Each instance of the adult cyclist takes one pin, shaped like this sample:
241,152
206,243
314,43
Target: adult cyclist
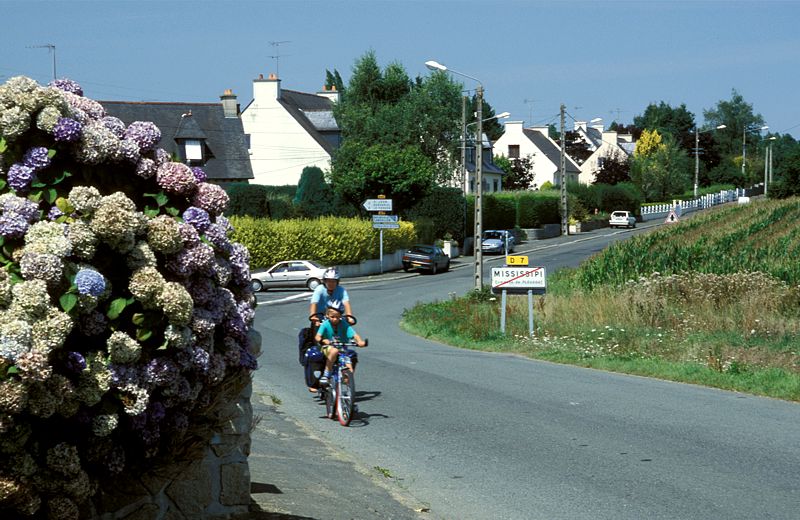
327,292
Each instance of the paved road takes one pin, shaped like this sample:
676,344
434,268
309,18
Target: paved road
480,435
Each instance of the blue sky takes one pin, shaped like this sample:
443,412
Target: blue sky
606,59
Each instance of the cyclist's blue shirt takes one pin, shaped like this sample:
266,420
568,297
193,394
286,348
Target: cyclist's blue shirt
321,297
344,332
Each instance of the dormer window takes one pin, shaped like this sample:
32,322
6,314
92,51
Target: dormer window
193,150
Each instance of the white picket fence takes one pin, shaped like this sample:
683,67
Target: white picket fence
684,206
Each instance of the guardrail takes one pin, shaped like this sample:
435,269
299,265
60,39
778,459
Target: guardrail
655,211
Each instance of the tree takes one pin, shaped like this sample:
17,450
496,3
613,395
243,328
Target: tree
666,119
614,168
575,147
633,130
363,171
660,169
519,172
314,197
333,79
738,117
416,121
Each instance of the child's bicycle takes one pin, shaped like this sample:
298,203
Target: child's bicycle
339,394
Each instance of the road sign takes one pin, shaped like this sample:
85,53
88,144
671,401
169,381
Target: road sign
378,204
518,279
384,218
385,225
672,217
516,260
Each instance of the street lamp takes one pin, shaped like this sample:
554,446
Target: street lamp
697,133
768,164
478,267
744,142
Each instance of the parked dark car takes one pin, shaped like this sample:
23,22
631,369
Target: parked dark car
429,258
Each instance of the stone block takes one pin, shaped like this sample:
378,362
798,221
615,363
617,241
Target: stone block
235,480
191,493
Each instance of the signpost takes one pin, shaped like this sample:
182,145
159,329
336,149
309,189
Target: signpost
518,280
381,221
377,204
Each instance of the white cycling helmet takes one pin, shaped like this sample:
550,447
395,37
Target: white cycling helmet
331,273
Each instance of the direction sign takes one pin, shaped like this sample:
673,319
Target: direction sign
378,204
384,218
385,225
518,279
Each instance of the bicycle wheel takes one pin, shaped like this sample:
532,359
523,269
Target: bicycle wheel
344,397
330,401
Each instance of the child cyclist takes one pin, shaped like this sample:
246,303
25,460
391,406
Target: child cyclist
335,329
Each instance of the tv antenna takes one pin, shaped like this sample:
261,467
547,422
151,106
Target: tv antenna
277,55
530,110
51,47
618,112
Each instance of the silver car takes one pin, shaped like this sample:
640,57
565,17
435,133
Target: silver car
292,273
498,241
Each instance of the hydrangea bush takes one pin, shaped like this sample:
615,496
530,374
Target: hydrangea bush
124,307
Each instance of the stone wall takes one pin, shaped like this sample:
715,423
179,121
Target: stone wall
215,486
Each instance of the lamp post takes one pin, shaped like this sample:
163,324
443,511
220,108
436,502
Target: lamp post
768,164
697,133
744,142
478,267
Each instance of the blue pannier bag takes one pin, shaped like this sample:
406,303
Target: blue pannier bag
314,361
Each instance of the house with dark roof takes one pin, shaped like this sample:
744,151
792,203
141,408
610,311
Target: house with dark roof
209,135
491,174
288,130
518,142
604,144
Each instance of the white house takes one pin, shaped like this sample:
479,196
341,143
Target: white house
491,174
288,130
517,142
610,144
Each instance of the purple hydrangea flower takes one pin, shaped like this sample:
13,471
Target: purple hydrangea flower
156,411
145,168
128,151
197,217
67,85
248,360
89,281
20,176
54,213
13,226
67,130
114,124
75,362
201,360
36,158
218,238
211,198
199,174
160,372
144,133
176,178
22,207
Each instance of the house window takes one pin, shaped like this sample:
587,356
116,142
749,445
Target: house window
513,151
496,185
194,150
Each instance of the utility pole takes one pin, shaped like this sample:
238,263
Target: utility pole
479,191
464,174
564,223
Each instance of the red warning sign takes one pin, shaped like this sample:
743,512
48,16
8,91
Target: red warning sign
672,217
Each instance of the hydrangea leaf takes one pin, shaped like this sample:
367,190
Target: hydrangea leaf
2,145
143,334
51,153
64,205
50,195
160,197
3,184
116,307
138,319
63,175
68,301
13,369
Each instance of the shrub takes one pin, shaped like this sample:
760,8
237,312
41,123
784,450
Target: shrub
328,240
125,309
247,199
445,208
499,211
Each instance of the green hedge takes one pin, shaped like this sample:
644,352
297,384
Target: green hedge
259,201
328,240
444,207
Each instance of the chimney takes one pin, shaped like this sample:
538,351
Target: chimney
331,93
229,105
266,91
512,127
610,137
